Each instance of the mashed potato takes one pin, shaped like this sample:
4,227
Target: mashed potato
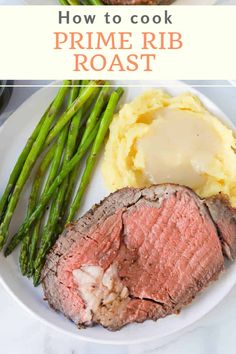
158,138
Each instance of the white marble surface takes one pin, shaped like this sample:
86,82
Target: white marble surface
214,334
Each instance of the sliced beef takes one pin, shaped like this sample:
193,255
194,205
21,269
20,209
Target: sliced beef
140,254
225,218
138,2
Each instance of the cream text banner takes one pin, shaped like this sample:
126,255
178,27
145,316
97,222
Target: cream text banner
117,42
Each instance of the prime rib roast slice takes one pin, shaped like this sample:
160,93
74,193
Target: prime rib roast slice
140,254
138,2
225,219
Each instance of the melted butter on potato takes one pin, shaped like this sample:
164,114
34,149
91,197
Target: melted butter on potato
157,139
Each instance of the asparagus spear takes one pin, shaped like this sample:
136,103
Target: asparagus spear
71,137
30,161
88,104
56,206
48,233
45,198
64,2
74,126
71,145
19,165
52,174
106,120
73,2
71,111
99,105
79,119
25,251
91,122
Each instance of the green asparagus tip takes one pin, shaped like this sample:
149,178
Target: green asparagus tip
36,277
7,251
120,91
23,271
23,267
30,271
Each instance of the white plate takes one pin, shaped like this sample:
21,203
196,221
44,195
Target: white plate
12,139
177,2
